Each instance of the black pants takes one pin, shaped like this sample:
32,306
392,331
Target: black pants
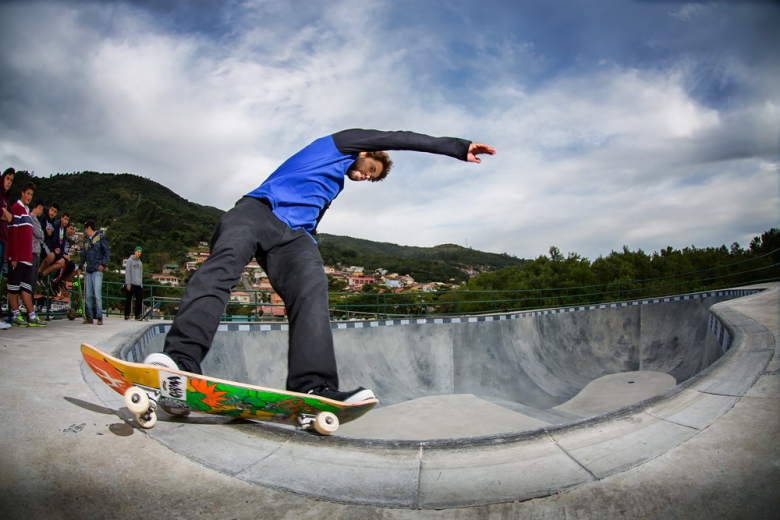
138,292
294,267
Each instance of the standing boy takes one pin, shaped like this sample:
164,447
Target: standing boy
94,258
38,236
19,256
134,275
274,224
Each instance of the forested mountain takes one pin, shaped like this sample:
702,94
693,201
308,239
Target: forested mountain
136,211
443,263
139,211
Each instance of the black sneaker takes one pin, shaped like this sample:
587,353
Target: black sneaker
354,396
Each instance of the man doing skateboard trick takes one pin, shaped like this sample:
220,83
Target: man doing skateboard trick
274,224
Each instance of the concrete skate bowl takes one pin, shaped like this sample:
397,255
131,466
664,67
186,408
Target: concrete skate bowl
480,410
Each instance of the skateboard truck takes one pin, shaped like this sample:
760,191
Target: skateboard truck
323,423
143,404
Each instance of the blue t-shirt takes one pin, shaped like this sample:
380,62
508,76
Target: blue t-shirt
306,183
300,190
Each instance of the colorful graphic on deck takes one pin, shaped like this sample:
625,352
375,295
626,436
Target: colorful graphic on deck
234,401
108,373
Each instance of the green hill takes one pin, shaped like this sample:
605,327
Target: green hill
136,211
139,211
442,263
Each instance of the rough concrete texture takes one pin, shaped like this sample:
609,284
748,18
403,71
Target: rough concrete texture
65,454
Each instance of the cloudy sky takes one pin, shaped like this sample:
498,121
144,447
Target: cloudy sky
639,123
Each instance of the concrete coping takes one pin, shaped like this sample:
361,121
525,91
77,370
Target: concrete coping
445,473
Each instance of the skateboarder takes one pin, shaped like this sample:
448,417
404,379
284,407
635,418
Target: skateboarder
275,223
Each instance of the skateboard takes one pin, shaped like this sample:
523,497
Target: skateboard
76,313
145,387
149,311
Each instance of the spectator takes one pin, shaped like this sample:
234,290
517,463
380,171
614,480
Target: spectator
37,244
68,270
134,275
5,219
94,258
47,224
56,244
19,255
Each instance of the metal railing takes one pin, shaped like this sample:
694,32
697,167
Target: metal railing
349,306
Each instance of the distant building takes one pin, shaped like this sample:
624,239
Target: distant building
357,281
169,268
166,279
240,297
251,267
275,309
265,285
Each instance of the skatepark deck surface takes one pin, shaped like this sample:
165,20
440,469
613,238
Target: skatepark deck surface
713,449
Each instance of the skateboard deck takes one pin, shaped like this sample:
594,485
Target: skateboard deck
147,386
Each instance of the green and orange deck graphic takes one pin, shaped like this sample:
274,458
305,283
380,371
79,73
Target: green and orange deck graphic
183,390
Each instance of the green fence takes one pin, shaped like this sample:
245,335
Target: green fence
346,306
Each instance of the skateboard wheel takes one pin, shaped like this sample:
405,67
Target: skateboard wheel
326,423
147,420
136,400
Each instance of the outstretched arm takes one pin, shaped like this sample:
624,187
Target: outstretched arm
357,140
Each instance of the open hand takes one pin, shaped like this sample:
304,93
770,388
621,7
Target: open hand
479,148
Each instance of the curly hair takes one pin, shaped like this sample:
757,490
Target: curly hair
383,158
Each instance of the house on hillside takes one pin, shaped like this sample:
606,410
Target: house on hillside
240,297
196,258
165,279
393,281
265,284
276,308
170,268
251,267
357,281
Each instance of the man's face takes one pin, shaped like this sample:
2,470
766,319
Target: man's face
365,169
70,230
26,197
137,254
64,221
52,213
7,181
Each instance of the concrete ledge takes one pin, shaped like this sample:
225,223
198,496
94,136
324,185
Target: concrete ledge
503,472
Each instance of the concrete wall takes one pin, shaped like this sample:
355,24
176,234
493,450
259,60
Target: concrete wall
539,359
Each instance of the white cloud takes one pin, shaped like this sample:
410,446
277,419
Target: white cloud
691,11
588,160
